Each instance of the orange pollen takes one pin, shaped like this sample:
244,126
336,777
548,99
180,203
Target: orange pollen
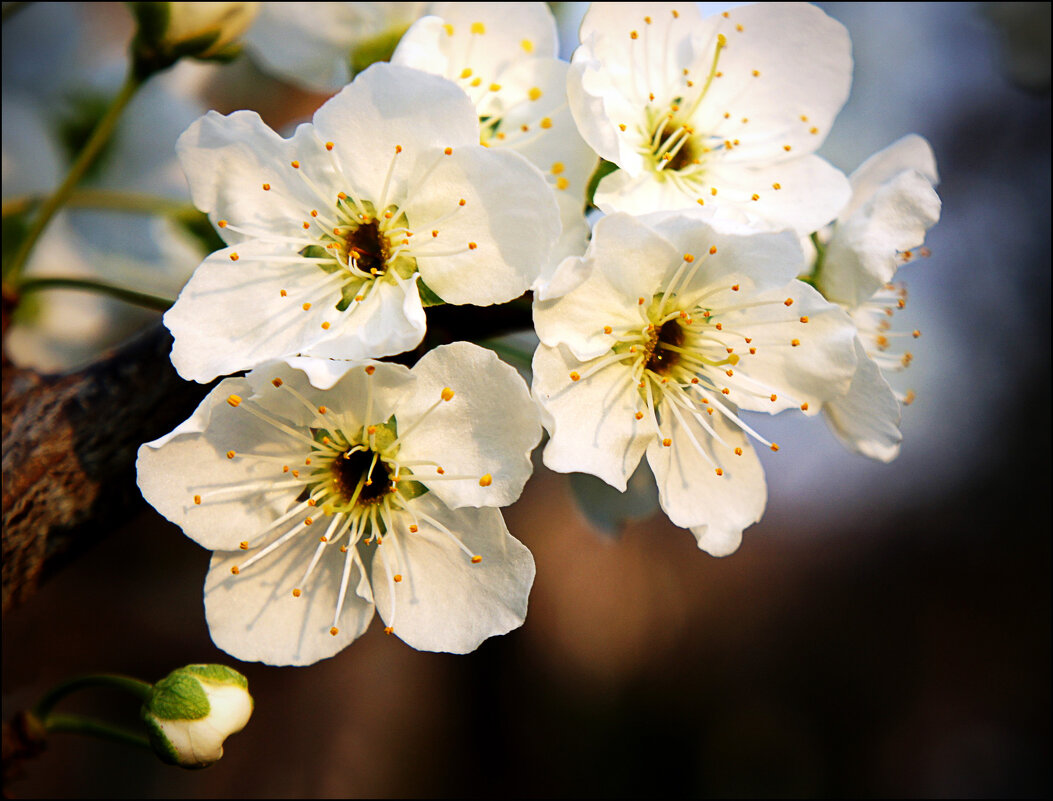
738,451
795,342
472,246
235,570
788,302
804,406
804,319
713,250
667,442
370,369
575,375
266,187
476,559
719,472
233,256
296,593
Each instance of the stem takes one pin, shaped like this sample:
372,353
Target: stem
108,199
155,302
99,137
42,710
81,724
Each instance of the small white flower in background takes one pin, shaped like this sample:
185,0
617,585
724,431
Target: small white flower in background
321,46
722,113
219,23
504,57
329,489
192,710
883,226
330,230
679,326
170,31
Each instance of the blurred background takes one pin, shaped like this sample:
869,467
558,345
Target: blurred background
885,630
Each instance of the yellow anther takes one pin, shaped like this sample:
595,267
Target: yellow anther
633,35
776,186
296,593
197,499
916,333
234,400
244,545
334,631
788,302
398,149
813,130
478,27
640,301
495,87
774,397
235,570
713,191
688,258
804,406
756,73
701,202
446,394
738,451
222,223
461,202
266,187
667,442
546,123
639,415
719,472
774,446
722,40
562,183
329,145
233,256
739,28
370,369
527,45
448,151
486,480
413,529
754,196
307,520
647,20
306,307
787,148
448,28
575,375
476,559
753,351
608,330
472,246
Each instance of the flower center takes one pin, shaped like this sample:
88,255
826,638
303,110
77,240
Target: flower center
362,476
661,360
368,247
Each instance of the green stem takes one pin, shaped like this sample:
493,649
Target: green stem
42,710
99,137
155,302
108,200
80,724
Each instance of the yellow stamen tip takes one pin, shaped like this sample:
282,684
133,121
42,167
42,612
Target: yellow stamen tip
296,593
447,394
476,559
486,480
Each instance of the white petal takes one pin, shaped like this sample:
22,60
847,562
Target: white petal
387,106
445,602
490,426
912,152
592,422
509,215
484,37
228,160
715,507
625,262
254,616
820,367
863,253
867,419
192,460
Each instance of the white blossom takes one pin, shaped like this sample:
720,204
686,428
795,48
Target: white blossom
504,56
329,231
723,113
328,490
883,226
678,327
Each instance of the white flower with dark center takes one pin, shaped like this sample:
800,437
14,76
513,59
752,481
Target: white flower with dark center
721,113
330,230
328,490
679,326
883,226
504,56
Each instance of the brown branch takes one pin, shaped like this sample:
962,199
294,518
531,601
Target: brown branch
69,445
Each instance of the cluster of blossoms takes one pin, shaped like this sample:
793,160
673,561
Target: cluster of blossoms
723,268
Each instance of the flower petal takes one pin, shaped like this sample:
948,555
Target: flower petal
445,602
591,422
715,507
490,426
254,616
867,418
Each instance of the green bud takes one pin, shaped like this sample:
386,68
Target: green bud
192,710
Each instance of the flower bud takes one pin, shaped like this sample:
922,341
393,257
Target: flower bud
170,31
192,710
